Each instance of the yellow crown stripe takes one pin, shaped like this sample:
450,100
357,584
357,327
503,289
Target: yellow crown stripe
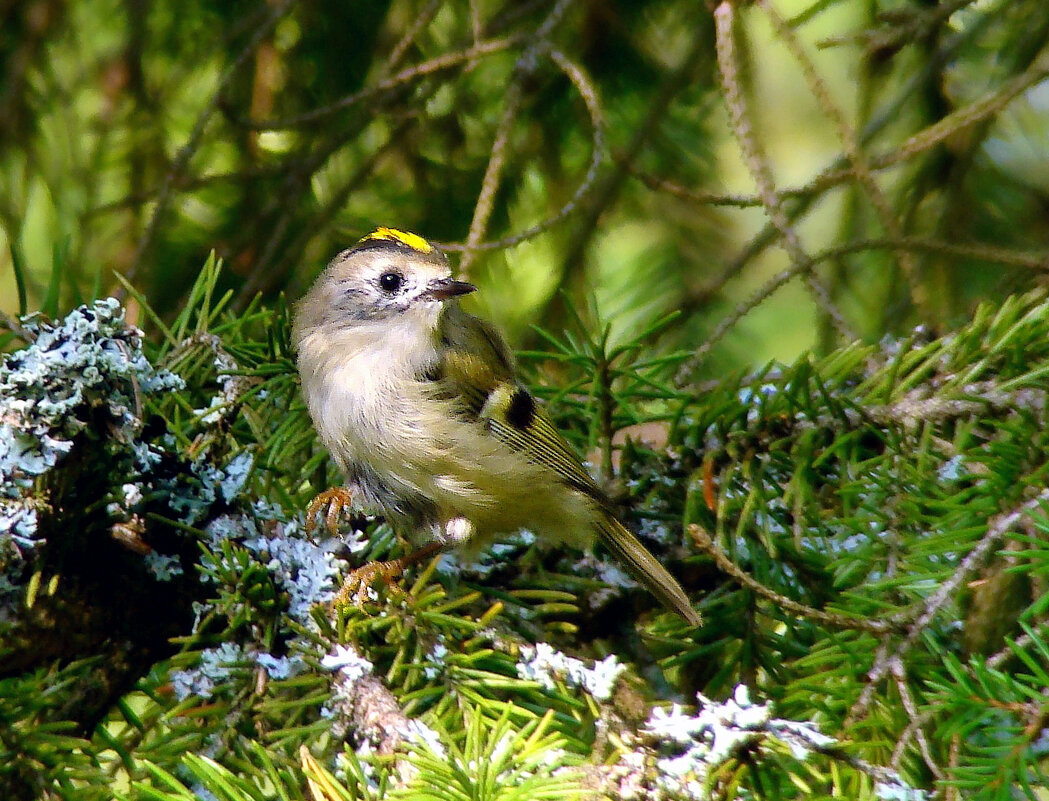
414,241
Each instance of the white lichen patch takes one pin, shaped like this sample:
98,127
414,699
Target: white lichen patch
87,368
348,662
308,571
280,667
546,665
685,749
435,660
215,667
164,568
221,665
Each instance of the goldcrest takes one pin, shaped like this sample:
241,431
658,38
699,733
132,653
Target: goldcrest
418,403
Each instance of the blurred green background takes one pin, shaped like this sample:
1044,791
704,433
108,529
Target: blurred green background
137,136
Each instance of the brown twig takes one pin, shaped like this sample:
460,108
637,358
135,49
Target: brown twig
493,174
975,112
267,271
186,152
442,63
608,184
920,619
524,68
588,92
757,164
706,544
911,708
421,20
12,324
1035,261
838,172
853,151
728,322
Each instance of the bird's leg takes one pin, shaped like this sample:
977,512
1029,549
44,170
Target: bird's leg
357,582
336,500
355,587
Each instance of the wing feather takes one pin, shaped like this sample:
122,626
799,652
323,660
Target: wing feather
477,369
542,443
477,374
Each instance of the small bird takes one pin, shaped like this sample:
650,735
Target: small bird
419,404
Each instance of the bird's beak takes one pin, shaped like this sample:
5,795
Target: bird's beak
445,288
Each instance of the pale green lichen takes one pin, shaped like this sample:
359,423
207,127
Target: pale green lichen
88,368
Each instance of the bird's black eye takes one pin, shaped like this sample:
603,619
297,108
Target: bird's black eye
391,282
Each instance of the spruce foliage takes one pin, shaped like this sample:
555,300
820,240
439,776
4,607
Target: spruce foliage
863,532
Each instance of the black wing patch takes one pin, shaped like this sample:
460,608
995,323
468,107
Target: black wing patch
521,411
539,440
478,373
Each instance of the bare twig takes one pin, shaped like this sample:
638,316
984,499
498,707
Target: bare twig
493,174
442,63
706,544
996,529
12,324
728,322
853,151
837,172
267,270
978,111
421,20
186,152
525,67
757,164
963,250
911,708
1035,261
608,184
588,92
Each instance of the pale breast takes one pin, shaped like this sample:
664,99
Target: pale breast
411,454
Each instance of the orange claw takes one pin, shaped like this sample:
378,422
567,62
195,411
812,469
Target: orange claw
336,499
358,581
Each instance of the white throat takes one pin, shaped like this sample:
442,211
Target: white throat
354,376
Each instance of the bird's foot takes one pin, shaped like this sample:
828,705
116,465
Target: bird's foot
357,583
331,502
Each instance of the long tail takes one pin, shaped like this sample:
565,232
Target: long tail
644,567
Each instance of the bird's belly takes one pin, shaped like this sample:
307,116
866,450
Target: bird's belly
413,458
378,443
